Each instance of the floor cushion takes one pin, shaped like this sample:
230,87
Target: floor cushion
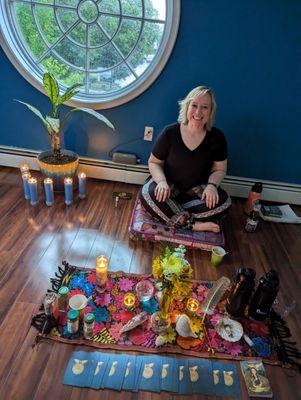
143,226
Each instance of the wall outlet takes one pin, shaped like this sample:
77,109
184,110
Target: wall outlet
148,133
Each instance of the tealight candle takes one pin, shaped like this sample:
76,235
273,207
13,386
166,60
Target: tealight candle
192,306
68,184
102,265
49,196
82,185
24,168
25,177
33,190
129,300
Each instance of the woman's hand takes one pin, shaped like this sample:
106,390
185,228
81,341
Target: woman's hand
210,195
162,191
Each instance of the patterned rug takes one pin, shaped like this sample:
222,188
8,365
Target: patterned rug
111,315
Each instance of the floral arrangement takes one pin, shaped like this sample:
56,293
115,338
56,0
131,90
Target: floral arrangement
172,271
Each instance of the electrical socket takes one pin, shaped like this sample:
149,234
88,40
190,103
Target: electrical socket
148,133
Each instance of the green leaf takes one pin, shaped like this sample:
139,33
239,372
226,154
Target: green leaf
95,114
51,87
70,92
37,113
54,123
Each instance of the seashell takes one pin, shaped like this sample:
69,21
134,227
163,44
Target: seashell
135,321
160,341
229,329
183,326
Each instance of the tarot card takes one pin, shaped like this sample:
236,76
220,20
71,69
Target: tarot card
115,371
256,380
225,379
168,375
129,376
183,377
150,374
77,371
100,362
138,369
200,375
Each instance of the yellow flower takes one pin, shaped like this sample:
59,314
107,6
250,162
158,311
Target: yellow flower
157,268
170,335
195,324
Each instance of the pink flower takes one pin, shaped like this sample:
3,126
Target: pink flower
232,348
98,327
110,284
125,284
88,309
103,300
115,331
124,316
92,278
215,317
118,301
75,291
215,340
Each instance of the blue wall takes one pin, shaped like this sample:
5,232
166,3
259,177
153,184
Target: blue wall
248,51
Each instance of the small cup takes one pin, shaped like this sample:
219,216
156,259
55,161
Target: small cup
217,255
78,302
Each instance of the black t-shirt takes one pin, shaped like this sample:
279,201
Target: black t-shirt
189,168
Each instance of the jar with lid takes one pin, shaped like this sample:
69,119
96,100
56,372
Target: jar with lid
63,298
88,326
72,321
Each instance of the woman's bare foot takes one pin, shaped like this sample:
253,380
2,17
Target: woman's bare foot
205,226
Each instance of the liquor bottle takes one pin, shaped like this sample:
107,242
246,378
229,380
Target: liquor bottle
241,291
253,219
255,194
264,296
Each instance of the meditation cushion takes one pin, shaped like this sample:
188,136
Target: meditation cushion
144,226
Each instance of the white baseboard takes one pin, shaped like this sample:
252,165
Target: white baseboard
108,170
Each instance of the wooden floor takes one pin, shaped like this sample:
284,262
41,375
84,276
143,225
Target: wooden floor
34,241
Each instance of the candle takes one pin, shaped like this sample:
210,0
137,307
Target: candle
102,265
33,190
49,196
25,177
129,300
68,183
24,168
192,306
82,185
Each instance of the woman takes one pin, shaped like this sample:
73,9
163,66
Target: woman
187,164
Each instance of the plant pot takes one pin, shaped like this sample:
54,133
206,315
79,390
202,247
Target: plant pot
58,171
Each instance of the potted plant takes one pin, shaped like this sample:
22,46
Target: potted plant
59,163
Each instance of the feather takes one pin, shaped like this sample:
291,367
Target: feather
215,294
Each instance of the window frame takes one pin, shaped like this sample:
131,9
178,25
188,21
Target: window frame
17,52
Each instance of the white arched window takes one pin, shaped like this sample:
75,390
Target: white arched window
114,48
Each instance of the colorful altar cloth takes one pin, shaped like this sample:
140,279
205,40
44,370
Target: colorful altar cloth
111,315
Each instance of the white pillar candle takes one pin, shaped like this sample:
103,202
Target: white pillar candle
33,190
82,185
68,183
49,196
24,168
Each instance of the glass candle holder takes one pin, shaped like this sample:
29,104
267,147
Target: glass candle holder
144,290
129,301
68,185
82,185
49,196
192,306
102,265
33,190
25,177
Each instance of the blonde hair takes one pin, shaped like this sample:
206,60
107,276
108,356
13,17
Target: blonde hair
184,104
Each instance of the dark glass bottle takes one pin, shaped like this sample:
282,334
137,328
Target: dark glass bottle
253,219
241,291
264,296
